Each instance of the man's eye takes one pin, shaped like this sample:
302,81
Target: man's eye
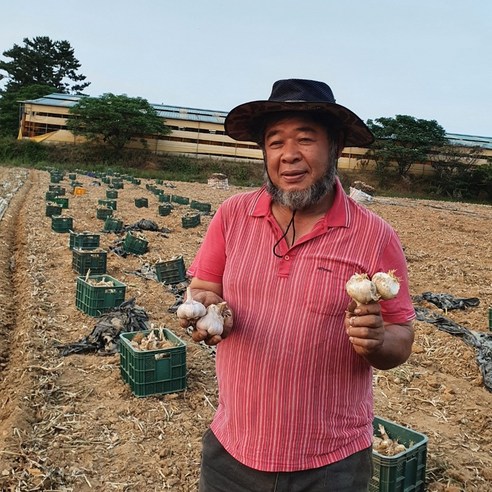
275,144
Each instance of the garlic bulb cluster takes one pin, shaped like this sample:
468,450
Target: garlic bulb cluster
210,319
385,445
190,309
364,290
151,341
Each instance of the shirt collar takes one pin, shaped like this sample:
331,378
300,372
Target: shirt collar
336,216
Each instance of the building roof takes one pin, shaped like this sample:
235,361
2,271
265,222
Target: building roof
212,116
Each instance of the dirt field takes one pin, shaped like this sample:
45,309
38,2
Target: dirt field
71,423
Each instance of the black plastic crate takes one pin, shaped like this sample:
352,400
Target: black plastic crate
171,271
84,240
405,471
84,260
93,299
153,372
60,223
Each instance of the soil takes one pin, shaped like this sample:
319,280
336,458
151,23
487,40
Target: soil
72,424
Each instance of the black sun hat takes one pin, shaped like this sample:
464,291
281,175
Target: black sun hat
244,121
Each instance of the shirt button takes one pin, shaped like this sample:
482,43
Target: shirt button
287,257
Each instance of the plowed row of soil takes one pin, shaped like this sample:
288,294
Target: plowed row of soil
72,424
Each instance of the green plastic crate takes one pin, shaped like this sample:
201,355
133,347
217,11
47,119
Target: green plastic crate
63,202
50,195
53,209
403,472
171,271
182,200
141,202
96,300
107,203
59,190
72,176
202,207
112,224
135,245
165,209
83,240
104,213
153,372
164,197
61,224
84,260
190,220
112,194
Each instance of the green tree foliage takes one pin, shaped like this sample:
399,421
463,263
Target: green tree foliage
403,140
115,119
9,106
42,61
458,173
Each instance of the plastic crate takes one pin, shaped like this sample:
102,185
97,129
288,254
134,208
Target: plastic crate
190,220
112,194
63,202
165,209
403,472
96,300
153,372
108,203
171,271
83,240
84,260
61,224
59,190
53,209
135,245
202,207
50,195
182,200
104,213
141,202
79,191
164,197
113,224
72,176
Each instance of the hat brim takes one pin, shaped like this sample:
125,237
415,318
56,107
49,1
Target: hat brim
242,122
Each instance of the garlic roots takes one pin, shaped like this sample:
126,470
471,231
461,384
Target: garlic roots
190,309
364,290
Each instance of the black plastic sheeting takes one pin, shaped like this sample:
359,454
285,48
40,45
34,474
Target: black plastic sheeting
447,301
482,342
104,338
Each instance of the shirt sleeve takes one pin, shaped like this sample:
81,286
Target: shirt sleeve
209,262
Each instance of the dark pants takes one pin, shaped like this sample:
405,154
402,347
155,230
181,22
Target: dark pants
220,472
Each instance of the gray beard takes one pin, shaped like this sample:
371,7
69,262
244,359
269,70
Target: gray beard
301,199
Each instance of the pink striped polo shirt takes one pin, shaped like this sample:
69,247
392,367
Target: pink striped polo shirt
293,394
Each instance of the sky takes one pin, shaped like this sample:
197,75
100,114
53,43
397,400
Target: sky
430,59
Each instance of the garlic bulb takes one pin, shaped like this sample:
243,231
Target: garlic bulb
387,284
213,321
191,309
361,289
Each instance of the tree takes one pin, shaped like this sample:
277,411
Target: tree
42,61
9,106
115,119
403,140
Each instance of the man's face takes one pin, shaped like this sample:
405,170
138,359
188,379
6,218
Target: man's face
300,161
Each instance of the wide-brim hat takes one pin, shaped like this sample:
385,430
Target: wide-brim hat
245,121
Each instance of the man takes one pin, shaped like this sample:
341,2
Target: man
294,364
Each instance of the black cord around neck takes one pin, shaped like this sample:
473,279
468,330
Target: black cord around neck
291,223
